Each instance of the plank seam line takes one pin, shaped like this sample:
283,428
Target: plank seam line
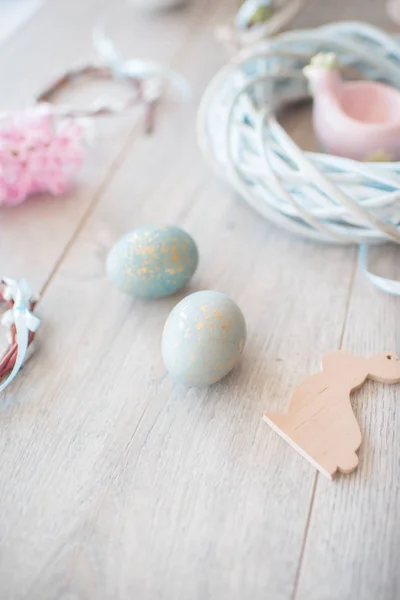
194,28
351,287
92,207
305,536
314,487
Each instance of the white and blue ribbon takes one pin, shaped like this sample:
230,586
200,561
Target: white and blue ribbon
390,286
22,318
152,73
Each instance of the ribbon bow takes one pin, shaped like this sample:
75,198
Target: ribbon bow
21,317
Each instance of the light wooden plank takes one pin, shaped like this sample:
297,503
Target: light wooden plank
138,487
353,545
14,14
114,482
36,54
60,37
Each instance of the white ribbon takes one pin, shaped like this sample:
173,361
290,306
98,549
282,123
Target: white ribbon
23,319
151,72
390,286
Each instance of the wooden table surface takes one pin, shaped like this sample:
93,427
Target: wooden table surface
116,483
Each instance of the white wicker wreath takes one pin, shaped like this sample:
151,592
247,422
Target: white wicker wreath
323,197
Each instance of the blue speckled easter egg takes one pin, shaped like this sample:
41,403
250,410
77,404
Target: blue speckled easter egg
152,261
203,338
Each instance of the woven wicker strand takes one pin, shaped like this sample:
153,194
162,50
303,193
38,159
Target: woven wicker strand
323,197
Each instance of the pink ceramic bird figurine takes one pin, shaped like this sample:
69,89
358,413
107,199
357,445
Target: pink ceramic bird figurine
355,119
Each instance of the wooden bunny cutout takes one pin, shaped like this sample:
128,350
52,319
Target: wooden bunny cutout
320,423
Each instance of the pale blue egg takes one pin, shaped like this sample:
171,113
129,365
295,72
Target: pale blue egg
203,338
153,261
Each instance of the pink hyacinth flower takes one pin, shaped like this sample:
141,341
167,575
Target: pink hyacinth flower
39,152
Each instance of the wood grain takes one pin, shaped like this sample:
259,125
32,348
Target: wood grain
354,537
150,451
352,540
40,51
320,422
116,483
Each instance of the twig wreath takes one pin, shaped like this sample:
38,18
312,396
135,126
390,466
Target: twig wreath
43,147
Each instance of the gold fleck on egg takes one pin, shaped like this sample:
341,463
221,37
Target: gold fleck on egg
203,338
153,261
